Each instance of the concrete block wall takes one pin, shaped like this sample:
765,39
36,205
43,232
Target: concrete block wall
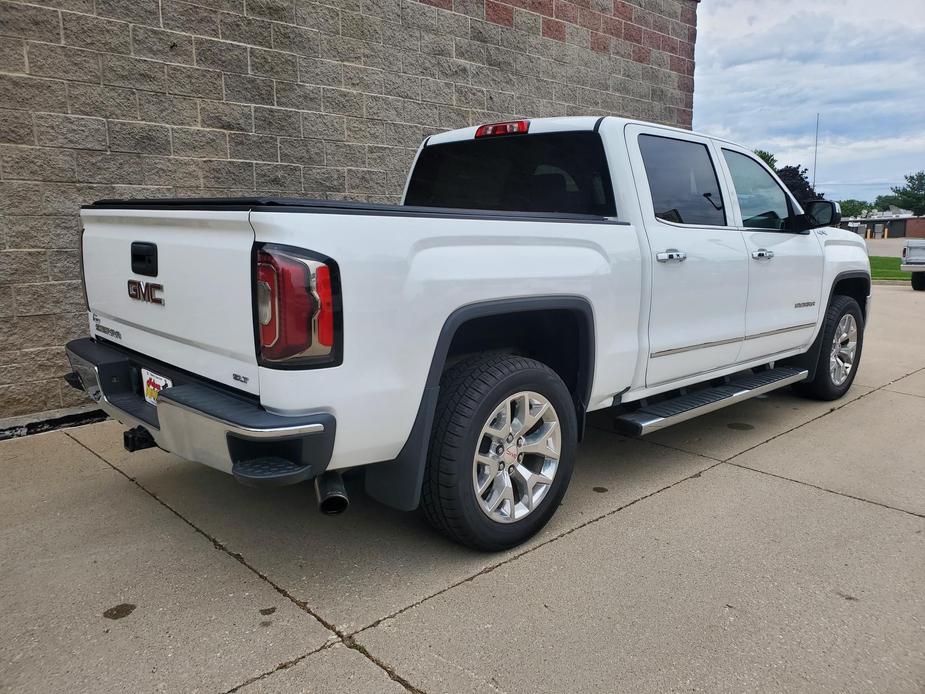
154,98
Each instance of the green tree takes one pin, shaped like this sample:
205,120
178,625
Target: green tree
883,202
795,179
768,158
912,195
853,208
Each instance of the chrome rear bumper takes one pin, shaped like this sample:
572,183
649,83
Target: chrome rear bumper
919,267
196,421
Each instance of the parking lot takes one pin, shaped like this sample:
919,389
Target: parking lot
778,545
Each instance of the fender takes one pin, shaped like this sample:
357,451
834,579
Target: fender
852,274
397,483
809,360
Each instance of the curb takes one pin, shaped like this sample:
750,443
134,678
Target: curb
25,427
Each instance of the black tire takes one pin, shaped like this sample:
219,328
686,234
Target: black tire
822,387
469,392
918,281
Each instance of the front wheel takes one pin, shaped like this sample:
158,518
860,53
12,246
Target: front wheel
918,281
840,355
501,452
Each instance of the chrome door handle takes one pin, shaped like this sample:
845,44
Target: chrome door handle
672,255
762,254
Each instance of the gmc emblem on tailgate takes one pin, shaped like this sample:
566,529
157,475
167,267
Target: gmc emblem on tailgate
145,291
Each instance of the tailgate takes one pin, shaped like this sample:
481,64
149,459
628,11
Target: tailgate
915,252
194,311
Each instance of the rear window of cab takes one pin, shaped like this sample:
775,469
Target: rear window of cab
548,172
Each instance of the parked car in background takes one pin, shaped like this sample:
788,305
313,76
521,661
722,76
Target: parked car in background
450,347
914,262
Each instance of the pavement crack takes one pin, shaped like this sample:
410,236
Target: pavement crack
341,637
878,389
217,544
351,643
656,443
826,489
835,408
514,557
282,666
902,392
803,424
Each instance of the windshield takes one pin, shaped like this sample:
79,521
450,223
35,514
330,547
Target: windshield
550,172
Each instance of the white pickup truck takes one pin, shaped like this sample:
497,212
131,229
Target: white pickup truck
913,260
450,347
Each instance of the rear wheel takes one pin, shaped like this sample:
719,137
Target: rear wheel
842,340
501,452
918,281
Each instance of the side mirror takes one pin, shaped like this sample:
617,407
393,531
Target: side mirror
818,213
822,213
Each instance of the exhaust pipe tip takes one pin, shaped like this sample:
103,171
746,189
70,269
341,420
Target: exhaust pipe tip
333,505
331,493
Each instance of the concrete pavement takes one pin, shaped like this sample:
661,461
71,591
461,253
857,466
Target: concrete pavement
731,581
776,545
100,585
886,247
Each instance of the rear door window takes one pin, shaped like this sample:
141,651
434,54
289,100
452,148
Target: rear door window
682,180
549,172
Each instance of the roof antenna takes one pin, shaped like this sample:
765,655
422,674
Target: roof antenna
816,152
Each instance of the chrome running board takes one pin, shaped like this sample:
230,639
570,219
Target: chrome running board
663,414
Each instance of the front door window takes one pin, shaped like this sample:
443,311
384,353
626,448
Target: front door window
763,202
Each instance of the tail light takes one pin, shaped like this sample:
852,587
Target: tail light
297,308
513,127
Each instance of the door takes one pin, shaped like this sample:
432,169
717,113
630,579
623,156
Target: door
698,260
784,268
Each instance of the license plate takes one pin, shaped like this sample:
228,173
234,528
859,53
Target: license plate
152,384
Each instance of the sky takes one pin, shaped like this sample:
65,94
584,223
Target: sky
765,69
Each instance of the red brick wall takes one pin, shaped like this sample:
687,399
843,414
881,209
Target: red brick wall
915,228
661,34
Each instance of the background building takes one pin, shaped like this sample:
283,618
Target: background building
889,224
142,98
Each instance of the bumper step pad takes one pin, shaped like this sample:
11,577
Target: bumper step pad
270,472
663,414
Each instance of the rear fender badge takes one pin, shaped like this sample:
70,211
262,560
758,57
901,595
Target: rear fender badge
105,329
146,291
805,304
240,378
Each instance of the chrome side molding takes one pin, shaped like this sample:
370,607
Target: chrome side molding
733,340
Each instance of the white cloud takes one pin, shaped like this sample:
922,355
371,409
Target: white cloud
765,69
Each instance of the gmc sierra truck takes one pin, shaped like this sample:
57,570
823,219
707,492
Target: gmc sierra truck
450,347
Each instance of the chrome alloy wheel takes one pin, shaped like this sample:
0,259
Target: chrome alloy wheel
517,457
844,349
